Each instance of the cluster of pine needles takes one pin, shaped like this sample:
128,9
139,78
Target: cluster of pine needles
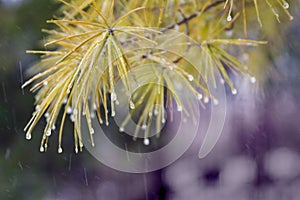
97,43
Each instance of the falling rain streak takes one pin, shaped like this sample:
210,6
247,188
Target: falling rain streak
4,92
21,76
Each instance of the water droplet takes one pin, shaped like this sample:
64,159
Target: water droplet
229,18
179,108
155,112
190,77
113,96
42,149
144,127
47,115
206,99
163,120
131,105
38,108
121,129
92,131
234,91
76,149
146,141
286,5
65,100
72,118
93,115
69,110
94,106
113,113
252,79
48,133
59,150
222,81
199,96
45,83
53,127
28,136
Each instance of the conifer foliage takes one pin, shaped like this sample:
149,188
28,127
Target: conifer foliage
97,43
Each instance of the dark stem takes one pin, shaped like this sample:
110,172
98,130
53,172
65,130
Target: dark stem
192,16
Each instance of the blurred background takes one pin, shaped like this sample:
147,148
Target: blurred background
257,157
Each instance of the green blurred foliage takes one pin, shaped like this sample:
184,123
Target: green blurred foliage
23,171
